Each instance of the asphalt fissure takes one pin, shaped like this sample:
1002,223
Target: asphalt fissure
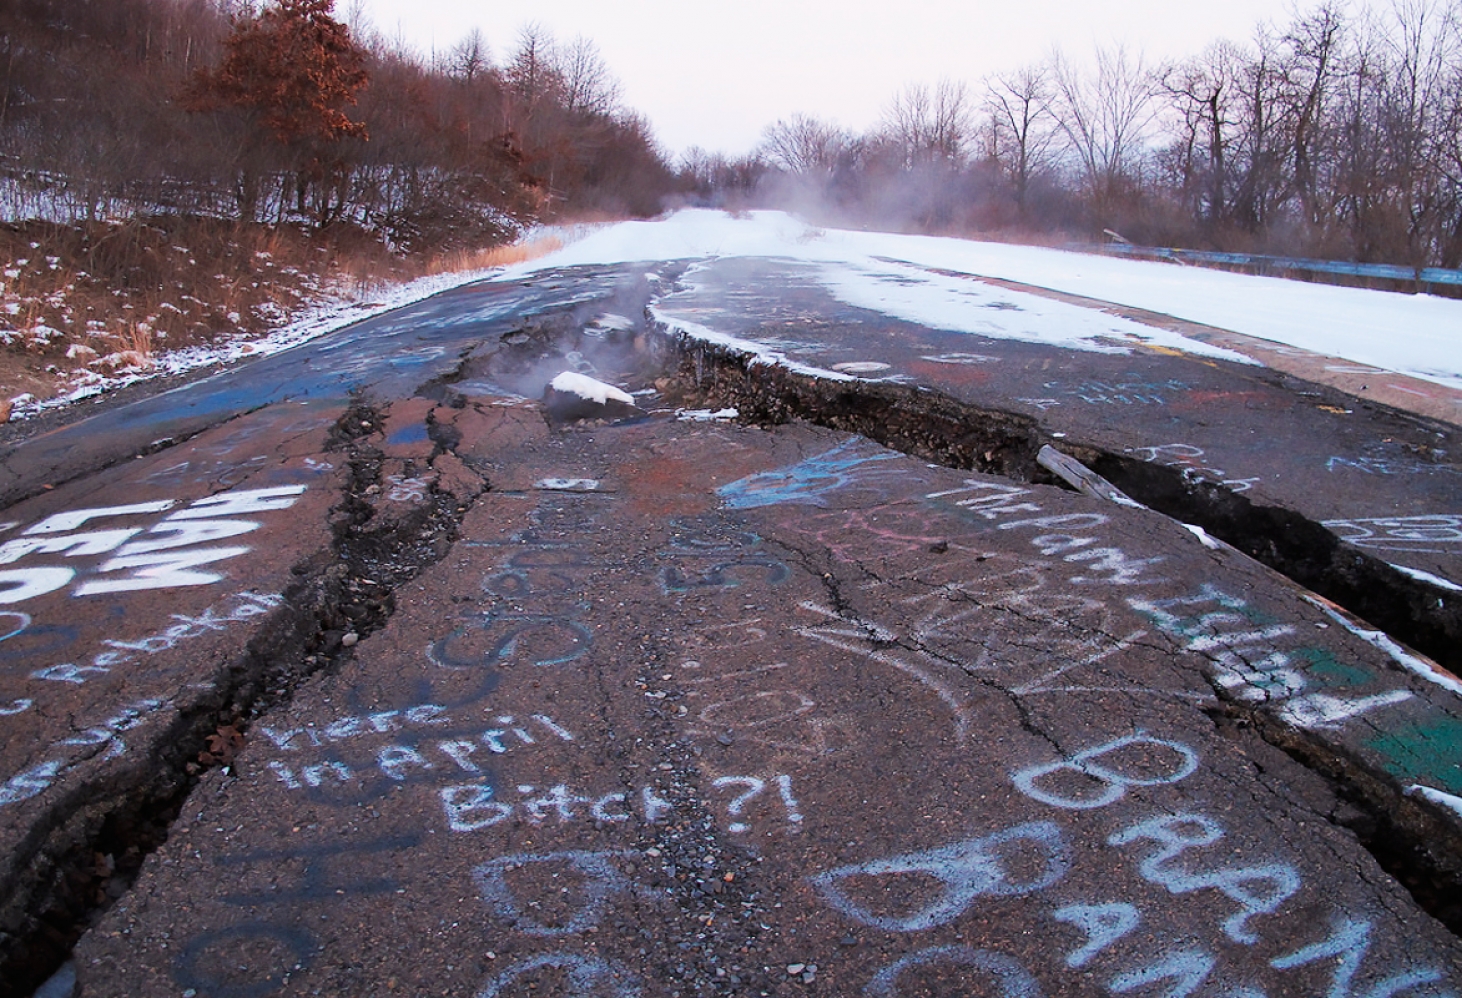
1408,838
1410,841
92,848
931,425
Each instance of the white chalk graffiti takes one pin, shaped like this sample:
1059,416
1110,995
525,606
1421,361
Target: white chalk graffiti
988,500
473,807
1170,840
355,725
598,882
164,555
1119,393
1258,890
30,782
1103,924
237,608
1175,762
1347,945
402,762
965,870
751,788
1387,466
1241,647
1190,460
39,778
1109,565
1068,632
1067,535
1439,533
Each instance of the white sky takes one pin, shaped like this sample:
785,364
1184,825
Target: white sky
714,75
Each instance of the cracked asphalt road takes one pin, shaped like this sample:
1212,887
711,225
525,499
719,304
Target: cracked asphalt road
383,685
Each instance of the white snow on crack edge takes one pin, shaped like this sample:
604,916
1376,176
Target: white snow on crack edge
759,353
1204,537
1446,800
585,387
1427,577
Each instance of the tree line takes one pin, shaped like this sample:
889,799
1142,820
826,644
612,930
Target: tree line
272,111
1336,134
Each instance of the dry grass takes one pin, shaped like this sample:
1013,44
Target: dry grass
81,291
493,256
108,296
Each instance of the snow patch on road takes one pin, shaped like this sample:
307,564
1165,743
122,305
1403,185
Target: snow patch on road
896,275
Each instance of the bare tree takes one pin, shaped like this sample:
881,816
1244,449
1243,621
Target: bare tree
469,58
1203,91
1019,107
1309,72
532,74
1106,116
804,145
588,85
930,126
1424,90
1259,153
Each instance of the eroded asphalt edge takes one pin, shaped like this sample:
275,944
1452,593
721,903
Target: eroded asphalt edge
354,574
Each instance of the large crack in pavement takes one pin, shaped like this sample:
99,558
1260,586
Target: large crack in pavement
933,426
1412,840
89,850
87,854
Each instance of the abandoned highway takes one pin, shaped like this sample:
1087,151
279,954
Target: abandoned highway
355,671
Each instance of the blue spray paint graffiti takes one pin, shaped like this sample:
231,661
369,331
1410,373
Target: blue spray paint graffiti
806,482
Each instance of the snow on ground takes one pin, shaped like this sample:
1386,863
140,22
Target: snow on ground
1419,335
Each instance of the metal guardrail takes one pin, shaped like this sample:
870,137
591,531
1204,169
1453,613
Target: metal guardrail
1421,278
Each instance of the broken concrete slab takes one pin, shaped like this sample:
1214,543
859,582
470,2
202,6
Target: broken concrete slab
790,699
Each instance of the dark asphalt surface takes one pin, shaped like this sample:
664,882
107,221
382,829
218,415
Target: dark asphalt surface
480,706
1388,482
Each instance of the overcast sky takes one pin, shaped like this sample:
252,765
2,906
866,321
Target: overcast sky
714,75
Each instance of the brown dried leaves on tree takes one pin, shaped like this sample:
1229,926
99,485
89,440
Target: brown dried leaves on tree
295,67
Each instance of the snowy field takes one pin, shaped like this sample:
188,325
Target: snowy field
1419,335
